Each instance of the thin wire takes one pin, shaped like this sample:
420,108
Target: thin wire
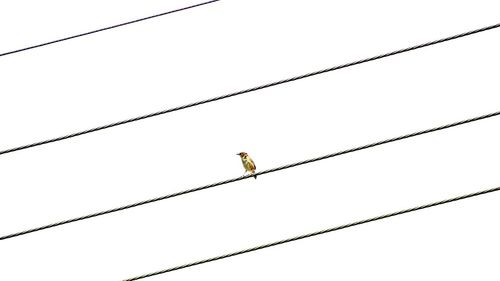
247,90
328,230
105,28
248,176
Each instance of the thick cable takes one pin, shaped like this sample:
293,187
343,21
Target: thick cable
272,84
133,205
328,230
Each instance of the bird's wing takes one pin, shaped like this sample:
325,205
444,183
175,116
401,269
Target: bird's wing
252,164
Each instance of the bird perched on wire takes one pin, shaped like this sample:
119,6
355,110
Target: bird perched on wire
248,164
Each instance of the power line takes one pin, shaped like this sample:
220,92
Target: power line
241,92
133,205
328,230
104,29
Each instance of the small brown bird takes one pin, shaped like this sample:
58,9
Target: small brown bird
248,164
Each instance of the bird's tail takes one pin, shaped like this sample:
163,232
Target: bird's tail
254,176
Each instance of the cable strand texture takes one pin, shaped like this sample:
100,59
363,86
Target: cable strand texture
328,230
248,176
268,85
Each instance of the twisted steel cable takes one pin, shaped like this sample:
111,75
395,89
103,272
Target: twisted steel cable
328,230
105,28
248,176
241,92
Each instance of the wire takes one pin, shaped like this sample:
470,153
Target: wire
241,92
105,28
328,230
9,236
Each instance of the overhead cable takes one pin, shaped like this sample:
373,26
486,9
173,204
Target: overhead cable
312,234
241,92
104,29
133,205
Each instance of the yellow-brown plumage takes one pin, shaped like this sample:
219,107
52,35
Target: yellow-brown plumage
248,163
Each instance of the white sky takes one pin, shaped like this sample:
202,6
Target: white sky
224,47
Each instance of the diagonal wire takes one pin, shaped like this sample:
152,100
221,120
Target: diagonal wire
104,29
133,205
241,92
328,230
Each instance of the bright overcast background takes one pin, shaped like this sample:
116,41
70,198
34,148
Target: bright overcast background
228,46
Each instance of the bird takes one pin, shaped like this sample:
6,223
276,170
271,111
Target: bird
248,164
